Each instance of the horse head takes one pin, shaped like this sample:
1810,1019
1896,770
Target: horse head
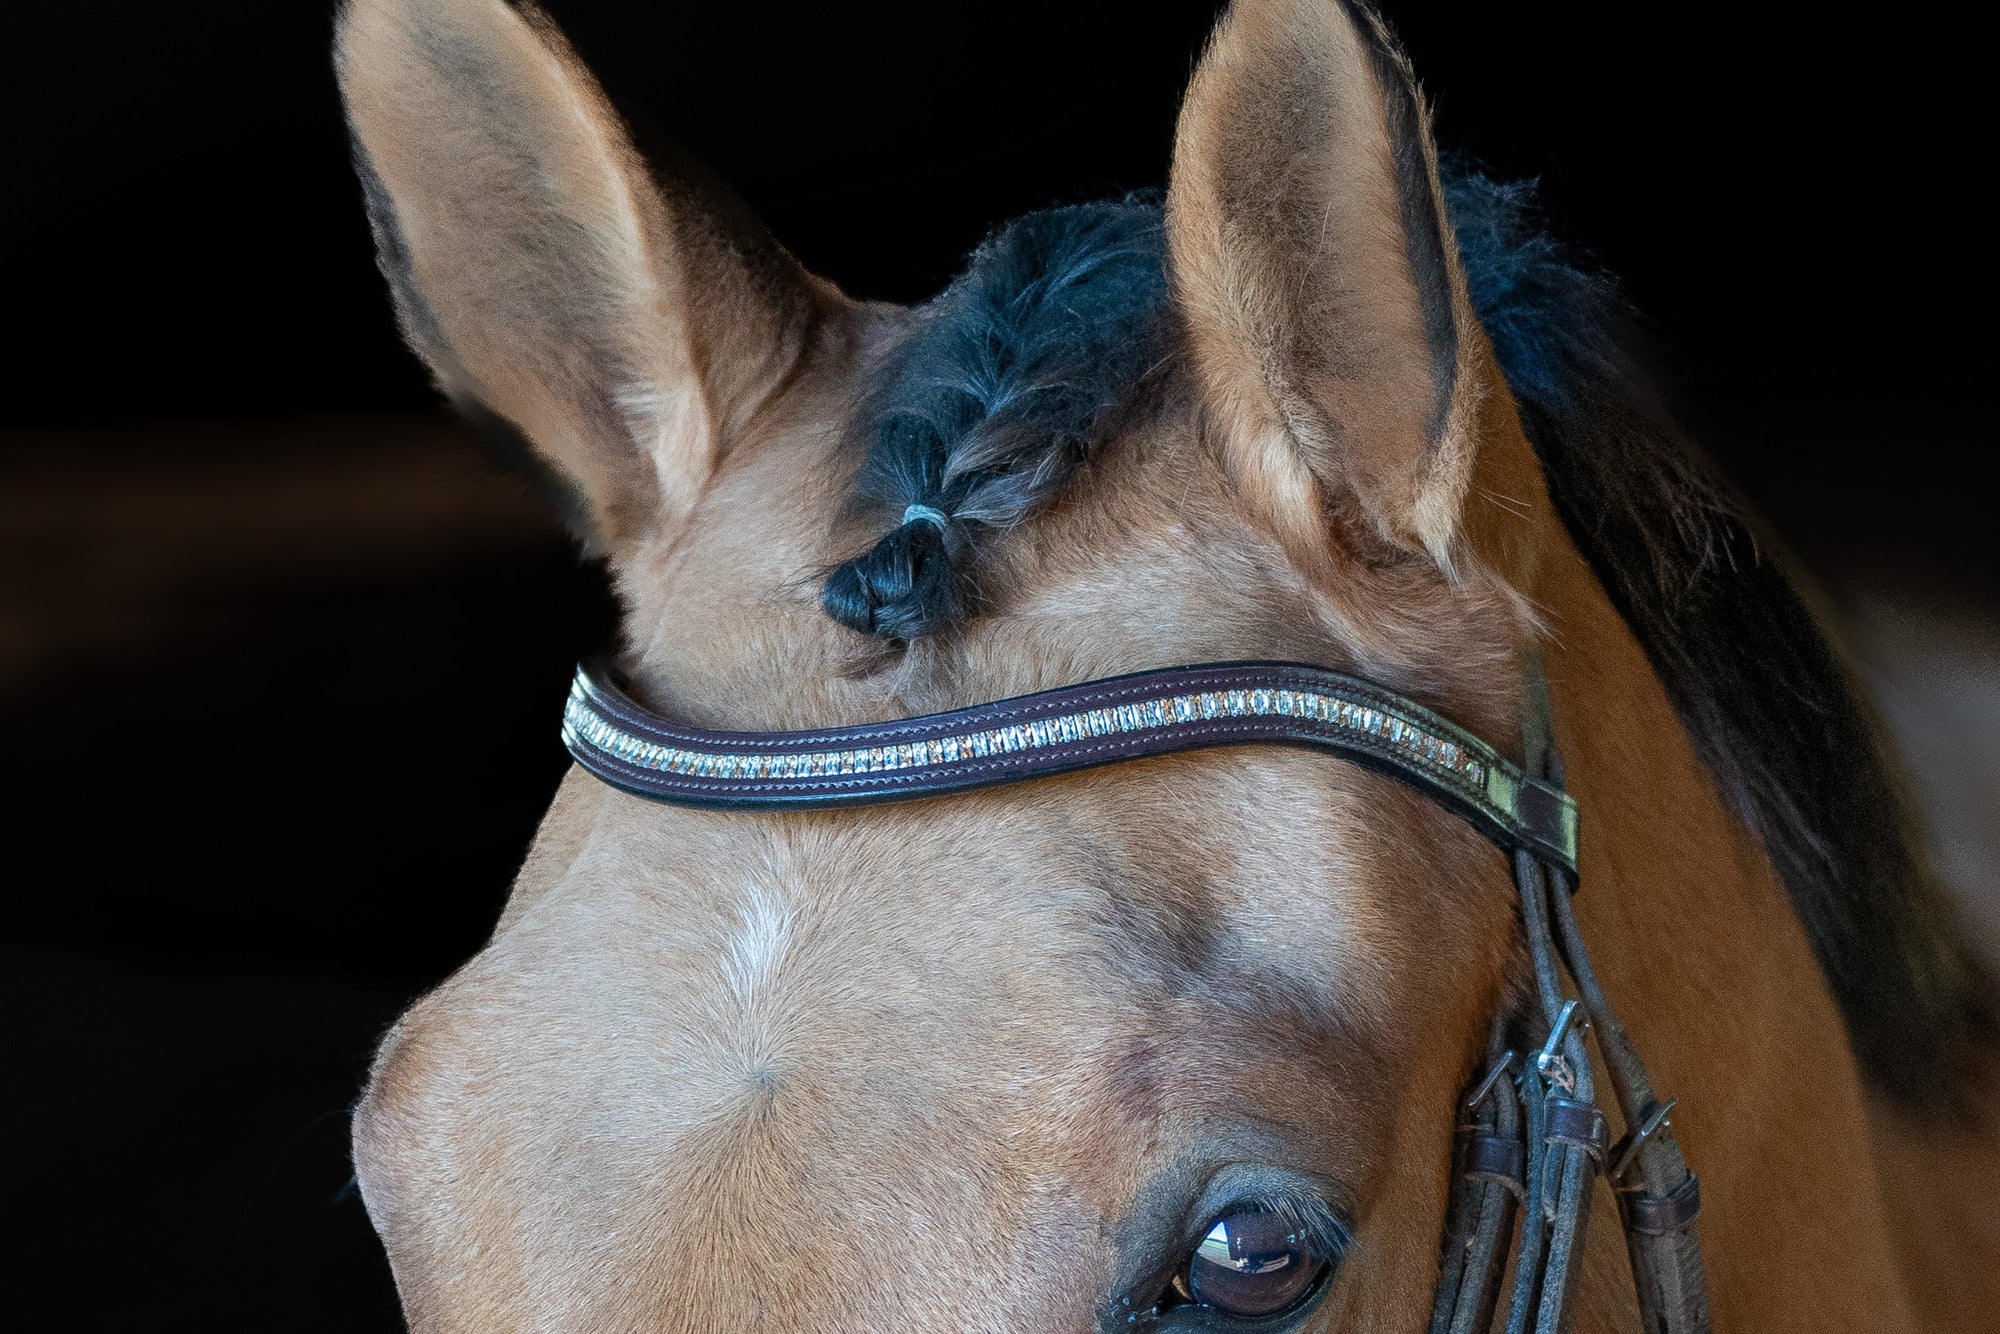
1017,1059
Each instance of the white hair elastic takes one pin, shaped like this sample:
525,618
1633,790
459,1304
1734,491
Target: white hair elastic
927,515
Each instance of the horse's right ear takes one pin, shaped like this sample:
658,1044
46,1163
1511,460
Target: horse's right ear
624,327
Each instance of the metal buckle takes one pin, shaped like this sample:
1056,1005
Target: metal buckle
1485,1087
1550,1062
1628,1148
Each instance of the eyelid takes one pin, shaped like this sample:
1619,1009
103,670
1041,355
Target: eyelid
1323,1205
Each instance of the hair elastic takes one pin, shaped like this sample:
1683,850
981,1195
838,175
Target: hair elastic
926,514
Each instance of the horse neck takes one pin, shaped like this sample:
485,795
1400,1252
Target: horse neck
1710,970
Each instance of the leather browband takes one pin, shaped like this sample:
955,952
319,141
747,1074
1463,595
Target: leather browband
1062,730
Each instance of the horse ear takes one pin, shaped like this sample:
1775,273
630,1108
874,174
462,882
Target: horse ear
1321,287
623,325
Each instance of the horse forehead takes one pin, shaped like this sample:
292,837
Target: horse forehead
950,1036
782,937
861,983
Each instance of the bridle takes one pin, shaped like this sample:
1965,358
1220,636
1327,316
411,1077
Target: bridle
1531,1139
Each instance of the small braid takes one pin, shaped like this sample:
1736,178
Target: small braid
908,582
994,399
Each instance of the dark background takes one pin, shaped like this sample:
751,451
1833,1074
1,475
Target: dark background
245,556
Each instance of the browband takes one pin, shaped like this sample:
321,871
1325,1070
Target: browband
1063,730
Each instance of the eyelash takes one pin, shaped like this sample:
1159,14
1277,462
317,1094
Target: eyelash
1317,1223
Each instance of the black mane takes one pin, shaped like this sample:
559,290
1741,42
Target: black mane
1771,708
1015,369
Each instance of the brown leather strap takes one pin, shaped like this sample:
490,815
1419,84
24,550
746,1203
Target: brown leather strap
1581,1124
1491,1158
1659,1215
1061,731
1485,1198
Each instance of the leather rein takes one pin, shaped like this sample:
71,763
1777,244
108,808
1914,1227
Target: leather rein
1532,1139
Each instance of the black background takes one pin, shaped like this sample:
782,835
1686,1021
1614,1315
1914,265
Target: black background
245,557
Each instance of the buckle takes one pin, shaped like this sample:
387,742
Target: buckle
1650,1125
1484,1088
1550,1062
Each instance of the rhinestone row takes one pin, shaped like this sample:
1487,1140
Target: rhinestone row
1406,737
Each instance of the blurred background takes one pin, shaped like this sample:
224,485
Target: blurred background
237,529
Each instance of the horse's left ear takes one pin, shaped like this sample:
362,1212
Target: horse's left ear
1319,280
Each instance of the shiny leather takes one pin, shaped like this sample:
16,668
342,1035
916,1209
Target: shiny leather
1509,806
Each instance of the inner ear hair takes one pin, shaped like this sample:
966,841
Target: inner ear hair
625,323
1320,285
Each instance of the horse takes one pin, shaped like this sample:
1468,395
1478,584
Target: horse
1184,1042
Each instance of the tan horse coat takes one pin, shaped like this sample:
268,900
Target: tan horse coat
971,1064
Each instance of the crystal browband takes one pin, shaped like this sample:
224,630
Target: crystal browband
1058,731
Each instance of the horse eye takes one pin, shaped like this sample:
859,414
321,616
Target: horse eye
1253,1263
